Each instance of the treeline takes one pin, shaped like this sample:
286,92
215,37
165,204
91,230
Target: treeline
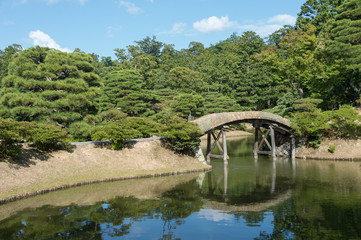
151,85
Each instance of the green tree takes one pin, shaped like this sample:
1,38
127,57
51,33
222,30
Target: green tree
189,105
276,37
124,89
185,80
295,64
215,102
344,48
5,58
49,86
317,13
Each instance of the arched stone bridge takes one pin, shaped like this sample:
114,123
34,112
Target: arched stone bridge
275,126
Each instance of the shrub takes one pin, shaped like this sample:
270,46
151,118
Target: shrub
344,123
80,131
183,136
312,124
116,132
46,137
9,138
332,148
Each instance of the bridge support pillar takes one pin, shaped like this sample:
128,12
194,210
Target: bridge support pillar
256,147
293,147
271,146
223,149
273,142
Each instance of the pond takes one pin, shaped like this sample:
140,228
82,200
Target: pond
248,199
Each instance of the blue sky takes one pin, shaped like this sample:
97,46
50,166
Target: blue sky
101,26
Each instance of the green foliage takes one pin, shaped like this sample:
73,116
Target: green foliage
285,105
216,102
317,58
10,136
118,131
43,136
189,104
185,80
47,137
332,148
183,136
80,131
5,58
317,13
49,85
124,90
307,104
111,115
344,123
313,125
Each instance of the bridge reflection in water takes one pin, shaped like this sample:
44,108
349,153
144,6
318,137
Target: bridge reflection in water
239,187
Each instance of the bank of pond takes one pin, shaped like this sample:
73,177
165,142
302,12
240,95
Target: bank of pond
246,199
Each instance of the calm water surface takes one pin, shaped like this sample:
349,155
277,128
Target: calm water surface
247,199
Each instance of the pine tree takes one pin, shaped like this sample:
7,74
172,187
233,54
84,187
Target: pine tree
345,34
124,90
344,49
47,85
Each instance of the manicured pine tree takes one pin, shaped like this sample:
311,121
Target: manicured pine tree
124,90
47,85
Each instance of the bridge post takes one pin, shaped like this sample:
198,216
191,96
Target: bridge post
293,147
256,146
209,145
222,149
273,142
224,141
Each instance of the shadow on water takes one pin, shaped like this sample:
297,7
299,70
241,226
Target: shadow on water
245,199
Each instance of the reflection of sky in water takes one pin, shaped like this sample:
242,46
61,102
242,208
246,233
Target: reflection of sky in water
303,200
205,224
215,215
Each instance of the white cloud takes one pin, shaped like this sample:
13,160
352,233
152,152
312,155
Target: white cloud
131,7
111,30
178,28
270,26
213,24
283,19
44,40
262,29
151,1
214,215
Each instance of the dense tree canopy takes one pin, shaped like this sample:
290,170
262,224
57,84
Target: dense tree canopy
50,86
319,57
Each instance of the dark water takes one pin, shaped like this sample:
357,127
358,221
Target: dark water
266,199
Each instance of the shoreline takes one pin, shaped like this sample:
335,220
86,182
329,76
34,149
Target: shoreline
39,173
345,150
105,180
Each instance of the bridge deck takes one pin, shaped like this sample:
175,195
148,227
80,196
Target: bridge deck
216,120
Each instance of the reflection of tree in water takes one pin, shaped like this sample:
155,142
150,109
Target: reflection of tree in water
251,218
113,218
320,214
179,203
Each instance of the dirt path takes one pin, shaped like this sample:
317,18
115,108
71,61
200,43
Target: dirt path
86,163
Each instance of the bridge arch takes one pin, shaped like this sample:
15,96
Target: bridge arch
274,123
218,120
